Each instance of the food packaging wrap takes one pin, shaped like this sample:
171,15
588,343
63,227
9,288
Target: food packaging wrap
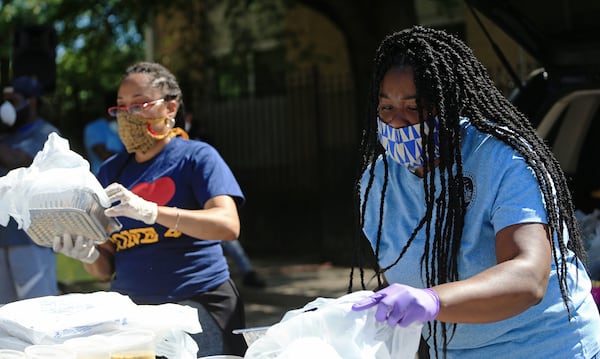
54,319
54,169
328,328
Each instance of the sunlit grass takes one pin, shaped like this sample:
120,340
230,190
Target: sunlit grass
69,270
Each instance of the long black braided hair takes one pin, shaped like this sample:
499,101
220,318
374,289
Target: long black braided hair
450,83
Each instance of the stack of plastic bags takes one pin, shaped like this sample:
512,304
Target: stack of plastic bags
55,319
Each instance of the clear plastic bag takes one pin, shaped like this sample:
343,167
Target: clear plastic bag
328,328
55,171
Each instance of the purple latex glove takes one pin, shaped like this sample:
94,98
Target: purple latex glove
403,305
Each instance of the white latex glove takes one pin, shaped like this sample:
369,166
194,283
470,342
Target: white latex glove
81,248
132,205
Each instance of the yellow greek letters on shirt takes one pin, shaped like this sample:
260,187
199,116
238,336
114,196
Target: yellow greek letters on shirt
134,237
173,233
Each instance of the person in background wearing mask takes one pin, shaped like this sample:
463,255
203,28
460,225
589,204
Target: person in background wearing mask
100,137
177,200
26,269
467,212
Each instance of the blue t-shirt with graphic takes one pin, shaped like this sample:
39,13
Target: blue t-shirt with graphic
500,190
154,264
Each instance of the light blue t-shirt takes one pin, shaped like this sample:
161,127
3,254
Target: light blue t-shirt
99,132
501,190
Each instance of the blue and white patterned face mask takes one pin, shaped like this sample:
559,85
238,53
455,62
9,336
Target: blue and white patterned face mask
403,144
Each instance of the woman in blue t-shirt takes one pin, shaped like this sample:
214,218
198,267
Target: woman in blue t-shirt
177,200
467,212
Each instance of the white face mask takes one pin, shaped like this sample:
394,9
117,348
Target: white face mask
8,114
404,145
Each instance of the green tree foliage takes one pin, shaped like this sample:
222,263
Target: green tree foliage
96,41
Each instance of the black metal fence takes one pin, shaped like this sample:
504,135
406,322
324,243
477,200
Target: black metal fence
294,155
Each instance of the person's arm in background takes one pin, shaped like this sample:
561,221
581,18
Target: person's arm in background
11,158
102,268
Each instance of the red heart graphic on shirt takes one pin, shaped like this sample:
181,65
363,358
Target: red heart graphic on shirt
160,191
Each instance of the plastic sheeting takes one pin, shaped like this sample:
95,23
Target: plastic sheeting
328,328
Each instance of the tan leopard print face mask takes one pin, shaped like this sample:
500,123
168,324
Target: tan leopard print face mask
136,132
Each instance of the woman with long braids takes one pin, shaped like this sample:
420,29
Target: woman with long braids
467,212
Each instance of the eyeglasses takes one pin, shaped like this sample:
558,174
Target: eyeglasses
134,109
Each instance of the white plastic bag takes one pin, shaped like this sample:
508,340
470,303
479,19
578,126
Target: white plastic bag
328,328
171,323
54,169
54,319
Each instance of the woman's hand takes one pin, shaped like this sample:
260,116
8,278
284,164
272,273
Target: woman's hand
401,304
131,205
82,249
